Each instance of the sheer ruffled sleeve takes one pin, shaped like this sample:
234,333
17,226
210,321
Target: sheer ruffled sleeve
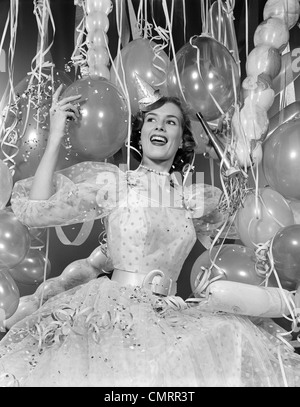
202,202
85,191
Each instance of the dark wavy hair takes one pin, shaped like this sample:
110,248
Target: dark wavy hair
185,154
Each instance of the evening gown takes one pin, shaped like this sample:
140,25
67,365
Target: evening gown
112,333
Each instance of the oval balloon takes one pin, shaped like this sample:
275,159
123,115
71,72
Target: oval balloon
261,217
14,240
33,269
231,262
281,159
9,295
143,57
103,126
286,253
6,184
208,77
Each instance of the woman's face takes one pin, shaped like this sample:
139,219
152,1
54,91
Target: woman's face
161,134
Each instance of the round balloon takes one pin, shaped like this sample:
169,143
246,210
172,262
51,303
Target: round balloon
143,57
6,184
33,119
9,295
33,269
263,59
14,240
273,32
286,10
291,111
103,126
208,77
231,262
286,253
281,159
261,216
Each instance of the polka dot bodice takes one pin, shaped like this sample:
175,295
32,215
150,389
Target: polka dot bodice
151,220
141,239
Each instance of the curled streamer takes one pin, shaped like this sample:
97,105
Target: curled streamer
158,44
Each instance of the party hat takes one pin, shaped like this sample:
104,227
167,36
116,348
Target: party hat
147,95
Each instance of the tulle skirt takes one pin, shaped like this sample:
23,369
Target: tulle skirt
103,334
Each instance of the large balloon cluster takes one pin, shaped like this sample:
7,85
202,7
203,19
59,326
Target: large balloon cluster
266,221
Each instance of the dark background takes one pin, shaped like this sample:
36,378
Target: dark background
64,16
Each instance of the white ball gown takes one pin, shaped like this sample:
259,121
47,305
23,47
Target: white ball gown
118,331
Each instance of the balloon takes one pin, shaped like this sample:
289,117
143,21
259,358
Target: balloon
221,28
252,122
103,126
273,32
6,184
97,20
9,295
238,298
289,71
233,263
96,5
260,218
287,10
207,74
289,112
31,270
263,59
281,159
97,56
151,64
286,253
14,240
258,91
97,38
33,120
295,206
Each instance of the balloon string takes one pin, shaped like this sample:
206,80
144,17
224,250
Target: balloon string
135,28
78,57
247,28
204,16
158,44
121,82
8,136
184,21
169,25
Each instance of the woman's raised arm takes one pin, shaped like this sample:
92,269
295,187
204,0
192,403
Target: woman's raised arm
61,110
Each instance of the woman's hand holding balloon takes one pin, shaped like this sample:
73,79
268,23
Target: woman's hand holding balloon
60,111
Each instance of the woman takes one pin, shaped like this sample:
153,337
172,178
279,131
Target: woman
131,330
